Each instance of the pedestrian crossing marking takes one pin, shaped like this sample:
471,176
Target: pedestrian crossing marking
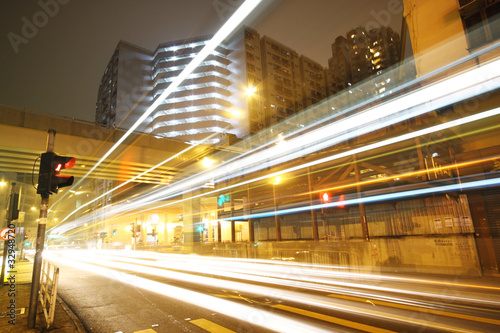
146,331
209,326
338,321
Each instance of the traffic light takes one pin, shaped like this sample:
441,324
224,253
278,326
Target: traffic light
49,179
325,197
341,201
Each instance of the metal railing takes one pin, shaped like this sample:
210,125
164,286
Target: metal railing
48,291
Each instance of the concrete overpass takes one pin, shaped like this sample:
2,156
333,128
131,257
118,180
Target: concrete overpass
24,137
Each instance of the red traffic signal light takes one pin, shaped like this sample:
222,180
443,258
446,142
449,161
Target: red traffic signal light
341,201
49,179
325,197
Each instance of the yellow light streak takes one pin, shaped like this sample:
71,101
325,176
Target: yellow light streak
419,309
405,175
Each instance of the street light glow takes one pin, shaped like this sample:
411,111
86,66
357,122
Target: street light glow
251,90
207,162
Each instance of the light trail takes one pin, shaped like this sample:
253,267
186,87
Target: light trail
320,139
175,190
232,23
385,179
382,197
125,183
282,270
241,312
426,99
250,273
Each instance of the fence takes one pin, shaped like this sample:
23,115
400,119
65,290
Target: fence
48,291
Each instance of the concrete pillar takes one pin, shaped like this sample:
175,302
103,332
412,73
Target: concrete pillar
191,220
276,216
247,211
362,213
314,218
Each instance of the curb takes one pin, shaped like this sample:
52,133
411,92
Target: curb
76,321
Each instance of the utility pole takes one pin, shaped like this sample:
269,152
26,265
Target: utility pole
40,242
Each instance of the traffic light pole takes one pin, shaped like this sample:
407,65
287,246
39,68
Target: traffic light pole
40,242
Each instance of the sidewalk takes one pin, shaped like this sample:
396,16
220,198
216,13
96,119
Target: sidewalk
64,320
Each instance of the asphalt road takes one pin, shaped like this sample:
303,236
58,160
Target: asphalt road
135,292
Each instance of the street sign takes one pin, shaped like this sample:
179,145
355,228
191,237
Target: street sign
7,233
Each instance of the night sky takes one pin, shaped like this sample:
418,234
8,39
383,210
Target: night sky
57,67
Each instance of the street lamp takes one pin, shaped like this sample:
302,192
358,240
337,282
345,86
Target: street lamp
251,90
3,182
207,162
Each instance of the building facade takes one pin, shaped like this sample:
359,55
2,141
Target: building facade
362,53
198,111
123,93
246,85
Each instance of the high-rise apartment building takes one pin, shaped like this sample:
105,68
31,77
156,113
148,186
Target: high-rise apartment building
198,111
340,63
314,84
247,95
282,91
362,54
385,48
124,90
245,85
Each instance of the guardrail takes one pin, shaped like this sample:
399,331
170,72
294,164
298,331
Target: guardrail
48,291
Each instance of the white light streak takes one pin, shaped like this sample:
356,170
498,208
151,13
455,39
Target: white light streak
295,275
232,23
245,313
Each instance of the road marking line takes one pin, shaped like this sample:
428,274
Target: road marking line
343,322
209,326
416,308
146,331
